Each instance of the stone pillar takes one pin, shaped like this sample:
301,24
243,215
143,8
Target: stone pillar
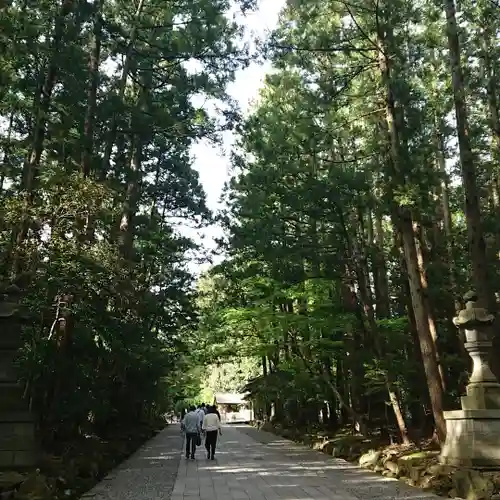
483,389
472,432
17,429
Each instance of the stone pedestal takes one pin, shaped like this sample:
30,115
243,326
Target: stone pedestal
472,439
17,428
473,433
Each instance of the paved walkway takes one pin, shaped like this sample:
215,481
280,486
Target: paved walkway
249,465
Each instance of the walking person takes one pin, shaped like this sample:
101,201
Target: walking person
200,411
212,428
190,425
217,412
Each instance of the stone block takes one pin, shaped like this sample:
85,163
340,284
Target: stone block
16,435
17,429
20,459
370,459
6,459
25,458
10,338
472,439
481,397
16,416
17,441
11,396
8,365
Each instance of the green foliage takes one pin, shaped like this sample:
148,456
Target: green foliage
231,376
98,114
336,151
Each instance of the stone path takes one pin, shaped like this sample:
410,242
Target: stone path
149,474
249,465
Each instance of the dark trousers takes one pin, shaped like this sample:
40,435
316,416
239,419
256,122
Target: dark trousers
211,442
191,438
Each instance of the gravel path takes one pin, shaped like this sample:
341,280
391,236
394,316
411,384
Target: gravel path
249,465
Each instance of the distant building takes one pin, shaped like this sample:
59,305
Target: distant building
233,408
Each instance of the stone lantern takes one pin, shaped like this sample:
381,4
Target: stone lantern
17,429
472,433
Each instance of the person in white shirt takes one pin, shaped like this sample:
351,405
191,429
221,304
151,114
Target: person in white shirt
201,413
211,426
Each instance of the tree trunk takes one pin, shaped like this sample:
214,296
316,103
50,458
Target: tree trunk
446,212
130,204
94,59
365,294
490,66
381,282
121,88
477,244
402,219
419,247
32,161
340,383
6,156
427,347
87,233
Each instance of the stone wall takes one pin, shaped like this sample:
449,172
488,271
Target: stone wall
17,429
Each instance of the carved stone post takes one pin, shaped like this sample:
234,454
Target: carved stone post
472,432
483,389
17,429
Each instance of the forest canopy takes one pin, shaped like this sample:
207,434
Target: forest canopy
98,113
365,203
